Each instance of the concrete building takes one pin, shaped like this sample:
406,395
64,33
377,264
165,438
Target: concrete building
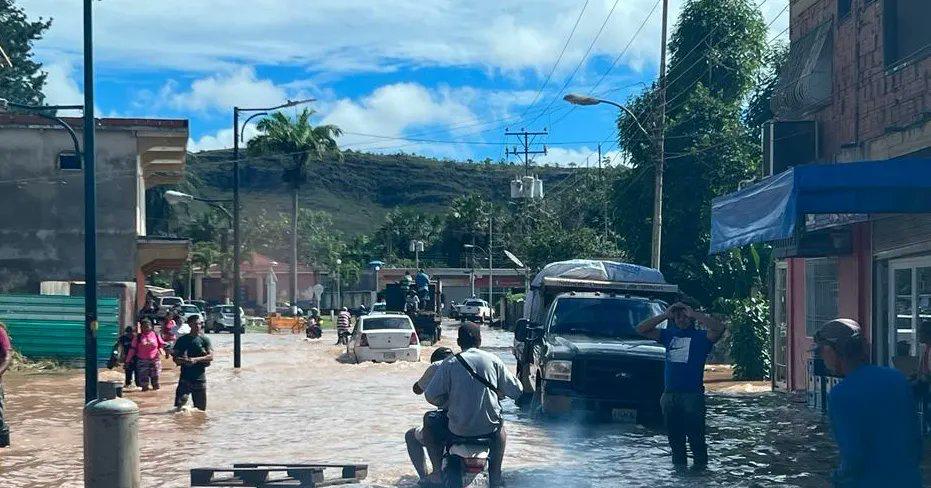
856,88
42,201
261,277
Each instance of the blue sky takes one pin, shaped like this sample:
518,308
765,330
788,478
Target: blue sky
450,74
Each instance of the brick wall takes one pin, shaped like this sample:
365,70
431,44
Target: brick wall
868,98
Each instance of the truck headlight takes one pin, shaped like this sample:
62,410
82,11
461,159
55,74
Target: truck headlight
558,370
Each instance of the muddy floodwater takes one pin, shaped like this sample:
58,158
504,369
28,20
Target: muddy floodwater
298,400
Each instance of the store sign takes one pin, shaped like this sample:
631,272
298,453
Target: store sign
824,221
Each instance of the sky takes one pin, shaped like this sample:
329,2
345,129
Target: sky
441,78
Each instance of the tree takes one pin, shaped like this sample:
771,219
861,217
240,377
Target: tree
759,108
715,57
23,82
299,140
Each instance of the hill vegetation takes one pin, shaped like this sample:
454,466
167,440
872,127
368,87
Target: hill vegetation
362,188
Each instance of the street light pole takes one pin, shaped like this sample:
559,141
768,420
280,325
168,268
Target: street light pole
90,212
656,138
237,218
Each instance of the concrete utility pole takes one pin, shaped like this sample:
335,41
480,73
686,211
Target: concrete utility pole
660,140
90,212
604,199
525,142
490,268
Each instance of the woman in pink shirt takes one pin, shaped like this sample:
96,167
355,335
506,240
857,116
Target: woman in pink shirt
146,347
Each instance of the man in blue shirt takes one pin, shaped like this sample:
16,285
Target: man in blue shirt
683,400
872,412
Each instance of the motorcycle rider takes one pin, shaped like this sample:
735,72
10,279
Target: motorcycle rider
421,437
470,387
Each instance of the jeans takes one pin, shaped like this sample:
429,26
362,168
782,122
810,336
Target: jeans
197,391
684,414
4,428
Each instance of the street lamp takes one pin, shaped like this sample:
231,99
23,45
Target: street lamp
657,140
237,138
490,272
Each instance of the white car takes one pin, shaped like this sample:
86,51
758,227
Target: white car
475,309
188,310
166,304
379,307
385,338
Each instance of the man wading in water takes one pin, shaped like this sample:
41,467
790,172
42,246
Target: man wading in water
683,400
193,353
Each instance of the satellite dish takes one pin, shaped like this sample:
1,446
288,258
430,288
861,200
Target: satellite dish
514,259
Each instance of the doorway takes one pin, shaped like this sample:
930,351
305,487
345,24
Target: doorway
910,303
780,328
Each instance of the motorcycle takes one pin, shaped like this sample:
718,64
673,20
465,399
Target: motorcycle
463,460
313,330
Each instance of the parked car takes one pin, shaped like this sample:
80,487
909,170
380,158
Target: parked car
476,310
385,338
188,310
379,307
166,304
222,317
577,347
202,305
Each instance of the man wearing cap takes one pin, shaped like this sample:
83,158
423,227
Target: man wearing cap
872,413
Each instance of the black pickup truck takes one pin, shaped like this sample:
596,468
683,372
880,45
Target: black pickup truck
584,353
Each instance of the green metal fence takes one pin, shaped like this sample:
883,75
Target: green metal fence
51,326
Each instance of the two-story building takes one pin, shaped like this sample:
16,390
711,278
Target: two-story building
42,201
852,239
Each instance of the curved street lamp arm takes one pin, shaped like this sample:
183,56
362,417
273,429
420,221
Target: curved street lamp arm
242,130
217,206
631,114
40,111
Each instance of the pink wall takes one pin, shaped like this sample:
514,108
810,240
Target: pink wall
854,300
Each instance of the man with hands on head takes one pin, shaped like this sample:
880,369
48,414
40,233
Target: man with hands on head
683,400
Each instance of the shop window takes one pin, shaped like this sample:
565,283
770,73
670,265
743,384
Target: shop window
69,161
905,31
820,293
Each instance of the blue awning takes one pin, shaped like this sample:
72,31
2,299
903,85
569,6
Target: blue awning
771,209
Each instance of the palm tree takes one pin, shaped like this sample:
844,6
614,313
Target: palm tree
297,138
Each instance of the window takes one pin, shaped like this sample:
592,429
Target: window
843,8
905,30
386,323
820,293
601,317
69,160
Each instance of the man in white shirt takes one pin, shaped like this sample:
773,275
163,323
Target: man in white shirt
422,437
474,409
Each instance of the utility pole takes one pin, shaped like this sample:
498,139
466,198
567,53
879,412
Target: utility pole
604,189
90,212
491,304
524,137
659,139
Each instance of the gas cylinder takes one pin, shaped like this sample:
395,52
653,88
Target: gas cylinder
111,447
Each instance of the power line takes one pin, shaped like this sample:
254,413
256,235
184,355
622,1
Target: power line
558,59
581,61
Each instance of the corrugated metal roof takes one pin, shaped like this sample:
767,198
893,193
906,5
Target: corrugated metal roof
50,326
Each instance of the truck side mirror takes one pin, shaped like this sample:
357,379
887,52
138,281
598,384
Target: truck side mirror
520,329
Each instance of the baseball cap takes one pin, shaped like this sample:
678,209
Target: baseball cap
838,331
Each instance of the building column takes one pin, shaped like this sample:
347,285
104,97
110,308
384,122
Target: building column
199,286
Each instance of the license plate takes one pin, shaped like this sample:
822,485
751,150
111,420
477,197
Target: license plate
624,414
391,355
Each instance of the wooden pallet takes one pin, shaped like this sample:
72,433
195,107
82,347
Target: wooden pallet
279,474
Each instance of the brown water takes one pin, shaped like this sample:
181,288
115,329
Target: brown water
297,400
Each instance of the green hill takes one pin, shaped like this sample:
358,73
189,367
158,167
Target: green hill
359,190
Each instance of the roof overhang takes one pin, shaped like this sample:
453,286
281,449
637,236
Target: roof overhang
162,155
161,253
773,209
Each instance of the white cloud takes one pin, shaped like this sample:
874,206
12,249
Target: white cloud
579,156
61,87
354,35
220,139
392,109
222,91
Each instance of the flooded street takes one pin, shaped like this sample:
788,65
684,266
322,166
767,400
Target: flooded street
297,400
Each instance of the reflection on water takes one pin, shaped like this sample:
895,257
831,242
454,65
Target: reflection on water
293,401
